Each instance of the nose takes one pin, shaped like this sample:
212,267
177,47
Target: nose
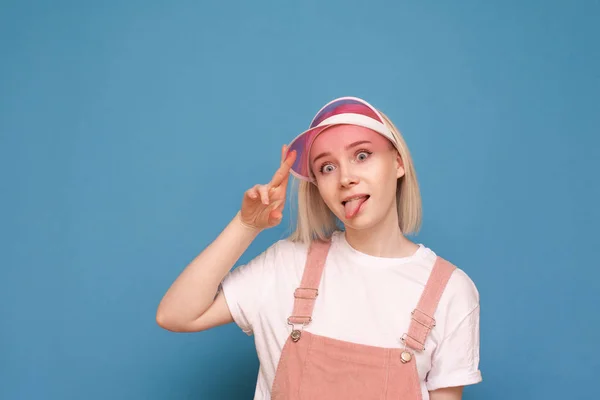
347,177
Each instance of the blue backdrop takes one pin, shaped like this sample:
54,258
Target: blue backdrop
129,131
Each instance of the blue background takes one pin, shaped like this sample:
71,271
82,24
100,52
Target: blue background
129,131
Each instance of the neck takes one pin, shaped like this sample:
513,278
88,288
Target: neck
384,239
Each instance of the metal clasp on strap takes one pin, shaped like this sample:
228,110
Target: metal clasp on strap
406,335
297,333
424,317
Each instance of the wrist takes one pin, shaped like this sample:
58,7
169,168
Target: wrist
245,226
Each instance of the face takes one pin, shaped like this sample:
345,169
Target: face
356,171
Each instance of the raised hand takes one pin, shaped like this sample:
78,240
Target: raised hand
262,205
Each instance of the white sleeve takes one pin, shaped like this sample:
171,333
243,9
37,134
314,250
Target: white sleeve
455,361
244,287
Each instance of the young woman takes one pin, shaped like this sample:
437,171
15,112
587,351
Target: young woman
347,307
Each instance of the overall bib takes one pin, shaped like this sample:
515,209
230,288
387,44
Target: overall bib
317,367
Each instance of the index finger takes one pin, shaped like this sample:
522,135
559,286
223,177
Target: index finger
283,151
284,169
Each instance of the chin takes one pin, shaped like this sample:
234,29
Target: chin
367,218
360,222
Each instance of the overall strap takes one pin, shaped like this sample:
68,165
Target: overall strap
422,320
305,295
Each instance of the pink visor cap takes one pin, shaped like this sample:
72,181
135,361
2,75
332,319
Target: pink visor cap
341,111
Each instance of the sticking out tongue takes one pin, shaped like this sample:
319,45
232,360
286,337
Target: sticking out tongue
353,206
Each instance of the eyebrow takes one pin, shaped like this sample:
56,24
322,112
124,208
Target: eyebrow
348,147
351,145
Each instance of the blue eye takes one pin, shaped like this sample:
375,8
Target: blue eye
363,155
325,168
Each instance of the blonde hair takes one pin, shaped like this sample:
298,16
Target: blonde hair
316,221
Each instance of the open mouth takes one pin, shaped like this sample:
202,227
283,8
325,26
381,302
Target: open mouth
354,204
365,197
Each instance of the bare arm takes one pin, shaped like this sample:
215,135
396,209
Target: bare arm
190,303
450,393
193,292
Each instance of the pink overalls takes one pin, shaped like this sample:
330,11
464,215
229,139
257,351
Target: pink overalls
317,367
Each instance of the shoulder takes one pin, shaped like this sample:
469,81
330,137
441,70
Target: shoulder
460,299
278,262
286,249
280,252
462,287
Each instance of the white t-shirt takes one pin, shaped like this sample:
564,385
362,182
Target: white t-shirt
362,299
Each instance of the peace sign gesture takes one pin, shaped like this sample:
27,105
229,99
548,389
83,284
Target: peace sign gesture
262,205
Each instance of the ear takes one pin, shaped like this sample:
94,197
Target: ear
399,166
